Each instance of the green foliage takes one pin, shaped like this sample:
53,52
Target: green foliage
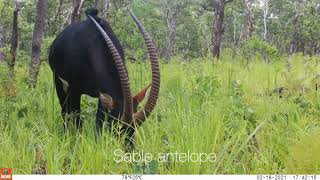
6,10
311,29
188,37
45,48
129,34
194,26
6,51
304,157
220,107
256,47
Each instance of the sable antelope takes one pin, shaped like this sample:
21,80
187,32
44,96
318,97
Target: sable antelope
87,58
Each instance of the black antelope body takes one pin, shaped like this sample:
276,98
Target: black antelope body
87,58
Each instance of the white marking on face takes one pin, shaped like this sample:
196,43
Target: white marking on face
65,84
107,101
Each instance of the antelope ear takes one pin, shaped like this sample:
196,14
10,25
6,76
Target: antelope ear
106,101
141,95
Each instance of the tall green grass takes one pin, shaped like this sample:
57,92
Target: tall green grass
226,107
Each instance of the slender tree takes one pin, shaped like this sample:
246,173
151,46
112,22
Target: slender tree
53,27
249,15
295,32
237,35
38,33
171,19
76,12
218,26
294,38
265,16
106,8
96,4
172,13
1,37
14,39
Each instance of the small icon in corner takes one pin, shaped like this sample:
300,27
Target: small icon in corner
5,173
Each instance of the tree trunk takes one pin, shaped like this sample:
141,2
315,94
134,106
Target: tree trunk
172,26
249,7
295,23
67,19
106,8
36,41
234,50
294,39
265,15
96,4
53,25
1,37
14,40
218,26
76,14
315,49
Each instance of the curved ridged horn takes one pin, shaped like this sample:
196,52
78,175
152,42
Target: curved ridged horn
142,114
124,79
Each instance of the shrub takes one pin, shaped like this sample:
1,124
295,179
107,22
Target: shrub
256,47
